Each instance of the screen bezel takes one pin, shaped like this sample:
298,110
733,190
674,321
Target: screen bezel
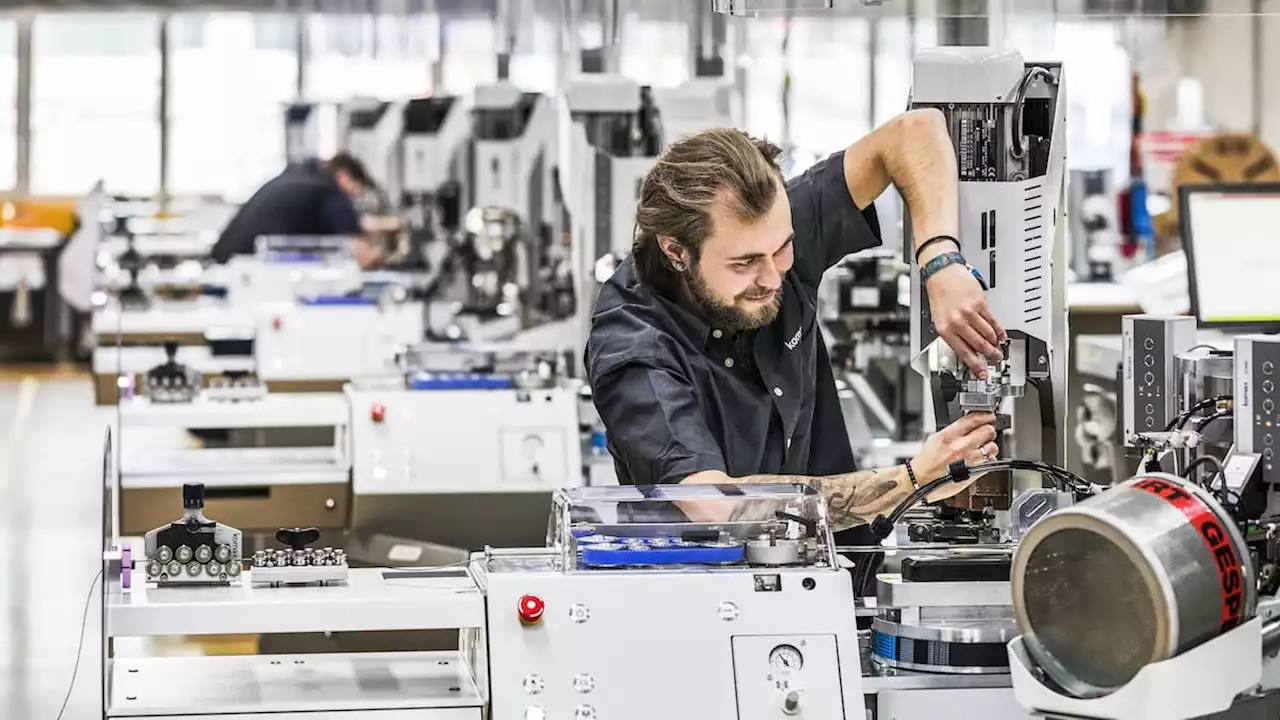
1188,248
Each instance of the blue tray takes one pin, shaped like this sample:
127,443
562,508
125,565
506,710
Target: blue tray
460,381
340,300
611,555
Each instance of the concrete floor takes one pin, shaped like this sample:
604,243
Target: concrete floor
51,438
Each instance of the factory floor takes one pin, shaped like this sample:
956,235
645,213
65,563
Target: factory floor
51,442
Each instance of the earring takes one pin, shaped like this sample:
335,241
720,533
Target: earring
679,266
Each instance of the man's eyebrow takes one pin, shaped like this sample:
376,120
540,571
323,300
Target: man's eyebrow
753,256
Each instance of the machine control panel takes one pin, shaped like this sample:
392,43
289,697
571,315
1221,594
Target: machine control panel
1257,422
1150,345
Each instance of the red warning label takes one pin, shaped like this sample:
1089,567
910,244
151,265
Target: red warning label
1216,539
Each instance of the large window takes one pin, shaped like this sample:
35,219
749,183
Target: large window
655,52
830,83
226,136
372,56
8,104
95,97
470,54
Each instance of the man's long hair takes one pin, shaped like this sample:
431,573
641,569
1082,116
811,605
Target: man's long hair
722,165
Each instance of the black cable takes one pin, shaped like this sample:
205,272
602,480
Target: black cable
1204,460
1017,150
1066,479
84,621
1181,419
1216,416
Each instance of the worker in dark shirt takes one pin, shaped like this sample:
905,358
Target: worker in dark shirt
315,198
705,359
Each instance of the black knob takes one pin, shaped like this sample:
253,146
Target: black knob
192,496
171,349
949,385
297,538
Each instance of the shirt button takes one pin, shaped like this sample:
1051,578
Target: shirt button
717,334
777,391
728,362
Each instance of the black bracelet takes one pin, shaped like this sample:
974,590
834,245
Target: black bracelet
912,474
932,240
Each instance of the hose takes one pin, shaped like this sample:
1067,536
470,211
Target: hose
1017,150
959,472
1180,420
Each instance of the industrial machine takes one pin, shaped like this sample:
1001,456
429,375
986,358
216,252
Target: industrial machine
264,461
625,576
935,636
614,134
432,166
1006,119
463,434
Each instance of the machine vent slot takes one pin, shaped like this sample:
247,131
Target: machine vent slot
1033,253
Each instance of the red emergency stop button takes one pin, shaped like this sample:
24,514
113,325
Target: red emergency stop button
531,609
378,412
276,323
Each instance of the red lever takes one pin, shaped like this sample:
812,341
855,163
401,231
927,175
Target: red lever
530,609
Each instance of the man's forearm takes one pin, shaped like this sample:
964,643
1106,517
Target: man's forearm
853,499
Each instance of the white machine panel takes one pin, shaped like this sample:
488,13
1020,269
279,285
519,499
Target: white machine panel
463,441
1257,422
965,75
779,673
333,342
1150,344
427,160
603,94
708,644
628,176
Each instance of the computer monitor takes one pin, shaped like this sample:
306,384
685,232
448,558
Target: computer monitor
1231,237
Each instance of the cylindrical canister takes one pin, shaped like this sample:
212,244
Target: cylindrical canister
1138,574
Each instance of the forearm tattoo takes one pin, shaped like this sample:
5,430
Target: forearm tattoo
853,499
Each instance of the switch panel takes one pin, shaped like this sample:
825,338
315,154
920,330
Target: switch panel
1257,424
1151,343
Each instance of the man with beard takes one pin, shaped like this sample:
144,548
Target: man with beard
705,360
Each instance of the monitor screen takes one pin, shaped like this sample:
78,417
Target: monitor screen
1230,234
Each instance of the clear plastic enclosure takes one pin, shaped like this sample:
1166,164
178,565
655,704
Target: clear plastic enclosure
678,527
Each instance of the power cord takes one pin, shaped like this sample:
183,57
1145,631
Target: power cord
84,622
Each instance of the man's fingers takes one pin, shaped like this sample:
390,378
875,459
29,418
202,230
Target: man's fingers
960,346
974,336
1001,335
971,422
981,321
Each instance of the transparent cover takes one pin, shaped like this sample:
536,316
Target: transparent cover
298,248
685,526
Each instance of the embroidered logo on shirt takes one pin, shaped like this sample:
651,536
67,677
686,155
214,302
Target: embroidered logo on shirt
795,339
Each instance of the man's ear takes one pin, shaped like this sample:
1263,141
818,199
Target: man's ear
675,252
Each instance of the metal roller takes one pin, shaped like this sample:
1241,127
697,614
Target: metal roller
1136,575
204,554
183,554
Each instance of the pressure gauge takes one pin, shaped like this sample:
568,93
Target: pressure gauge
785,659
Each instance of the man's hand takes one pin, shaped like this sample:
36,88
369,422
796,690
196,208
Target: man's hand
960,313
965,439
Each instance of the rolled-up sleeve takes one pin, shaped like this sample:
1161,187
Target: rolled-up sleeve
828,225
655,427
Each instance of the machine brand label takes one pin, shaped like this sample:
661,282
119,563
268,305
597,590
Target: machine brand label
1216,539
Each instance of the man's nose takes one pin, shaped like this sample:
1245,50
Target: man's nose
770,275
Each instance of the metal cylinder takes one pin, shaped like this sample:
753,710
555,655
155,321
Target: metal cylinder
1136,575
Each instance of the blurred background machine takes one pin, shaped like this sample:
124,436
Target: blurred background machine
463,434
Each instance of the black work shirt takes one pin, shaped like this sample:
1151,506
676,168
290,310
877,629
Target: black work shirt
302,200
674,394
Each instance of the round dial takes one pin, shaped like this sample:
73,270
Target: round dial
785,659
